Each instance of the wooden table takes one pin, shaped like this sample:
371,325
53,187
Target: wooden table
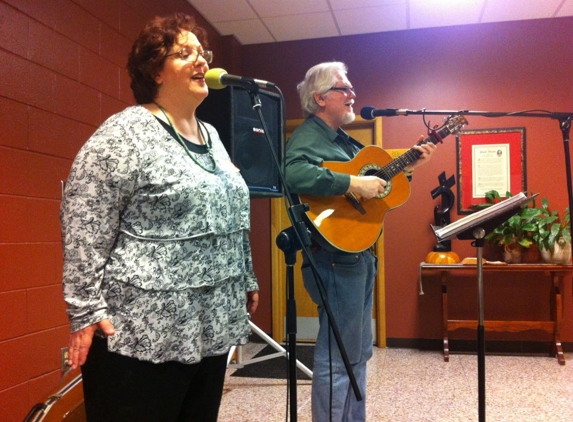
556,274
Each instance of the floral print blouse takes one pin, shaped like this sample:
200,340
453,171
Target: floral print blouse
155,243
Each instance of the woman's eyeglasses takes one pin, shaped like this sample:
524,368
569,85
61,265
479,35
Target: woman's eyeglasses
191,54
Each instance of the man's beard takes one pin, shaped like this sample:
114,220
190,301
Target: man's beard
348,118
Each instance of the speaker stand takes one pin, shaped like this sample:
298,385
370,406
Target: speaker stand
281,352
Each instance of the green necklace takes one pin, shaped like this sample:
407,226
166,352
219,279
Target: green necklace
202,128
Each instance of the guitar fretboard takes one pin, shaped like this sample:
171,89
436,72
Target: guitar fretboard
396,166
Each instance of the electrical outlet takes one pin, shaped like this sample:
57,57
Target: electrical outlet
64,359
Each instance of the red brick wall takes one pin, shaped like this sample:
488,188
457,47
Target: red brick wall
62,72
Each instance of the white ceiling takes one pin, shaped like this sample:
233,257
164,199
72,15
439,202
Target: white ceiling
267,21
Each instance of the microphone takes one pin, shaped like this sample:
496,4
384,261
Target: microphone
219,78
370,113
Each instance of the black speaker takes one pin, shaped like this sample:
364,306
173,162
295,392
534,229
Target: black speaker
230,110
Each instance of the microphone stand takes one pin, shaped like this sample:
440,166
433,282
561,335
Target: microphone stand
563,118
291,240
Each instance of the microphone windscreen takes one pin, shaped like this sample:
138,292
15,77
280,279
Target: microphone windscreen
365,113
213,78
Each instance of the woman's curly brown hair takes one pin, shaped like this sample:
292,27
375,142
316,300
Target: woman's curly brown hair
150,50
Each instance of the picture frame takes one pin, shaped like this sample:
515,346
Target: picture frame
489,159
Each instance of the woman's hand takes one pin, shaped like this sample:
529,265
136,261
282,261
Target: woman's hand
252,301
80,342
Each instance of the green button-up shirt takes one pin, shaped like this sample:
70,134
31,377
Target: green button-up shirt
310,144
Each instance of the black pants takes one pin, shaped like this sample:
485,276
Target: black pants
123,389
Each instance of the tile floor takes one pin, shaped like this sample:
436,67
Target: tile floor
408,385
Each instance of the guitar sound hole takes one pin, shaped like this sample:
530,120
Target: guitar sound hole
371,170
387,190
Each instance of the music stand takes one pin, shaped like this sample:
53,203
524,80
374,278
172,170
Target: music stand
476,226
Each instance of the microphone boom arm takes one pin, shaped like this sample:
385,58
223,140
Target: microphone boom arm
370,113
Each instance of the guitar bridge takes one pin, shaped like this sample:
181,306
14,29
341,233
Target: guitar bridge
350,197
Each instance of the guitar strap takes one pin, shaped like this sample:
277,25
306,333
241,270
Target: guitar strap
355,142
351,140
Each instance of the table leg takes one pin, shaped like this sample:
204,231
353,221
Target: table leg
446,344
557,315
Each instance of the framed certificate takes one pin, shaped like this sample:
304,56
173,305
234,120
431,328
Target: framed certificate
489,159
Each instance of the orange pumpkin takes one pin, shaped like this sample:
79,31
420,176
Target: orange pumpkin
442,258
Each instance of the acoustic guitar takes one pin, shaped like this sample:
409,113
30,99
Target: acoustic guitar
347,222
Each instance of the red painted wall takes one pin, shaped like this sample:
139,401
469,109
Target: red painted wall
508,66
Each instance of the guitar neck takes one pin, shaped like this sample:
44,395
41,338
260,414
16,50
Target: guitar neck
397,165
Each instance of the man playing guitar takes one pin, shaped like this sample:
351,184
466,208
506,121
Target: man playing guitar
327,98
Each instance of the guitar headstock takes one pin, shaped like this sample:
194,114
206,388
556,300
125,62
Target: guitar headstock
455,123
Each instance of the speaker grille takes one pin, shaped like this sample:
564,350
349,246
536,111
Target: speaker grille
230,111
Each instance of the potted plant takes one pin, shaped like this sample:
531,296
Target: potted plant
552,234
515,234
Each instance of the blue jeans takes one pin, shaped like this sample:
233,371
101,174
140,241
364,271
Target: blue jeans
349,283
